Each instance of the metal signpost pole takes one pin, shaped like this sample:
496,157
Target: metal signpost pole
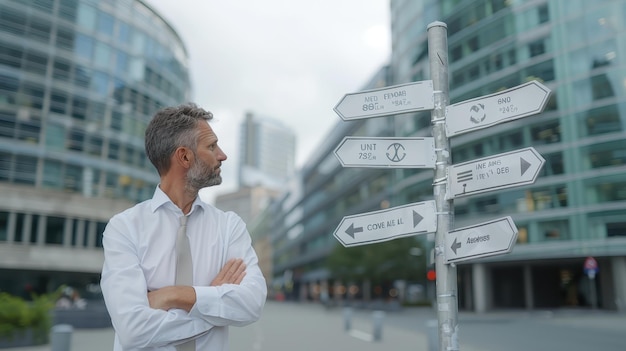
447,303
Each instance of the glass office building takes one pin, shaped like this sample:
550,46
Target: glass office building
79,81
577,207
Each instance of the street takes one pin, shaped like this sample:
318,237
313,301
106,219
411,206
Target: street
311,327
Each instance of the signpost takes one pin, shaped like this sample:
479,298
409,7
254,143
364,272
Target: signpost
521,101
510,169
386,152
388,224
403,98
481,240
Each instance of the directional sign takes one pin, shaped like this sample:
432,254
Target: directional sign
521,101
388,224
387,152
491,238
403,98
501,171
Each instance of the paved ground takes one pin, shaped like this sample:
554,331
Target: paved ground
308,327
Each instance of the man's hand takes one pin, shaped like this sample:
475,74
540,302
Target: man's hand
232,273
183,297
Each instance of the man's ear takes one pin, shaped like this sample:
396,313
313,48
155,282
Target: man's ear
183,156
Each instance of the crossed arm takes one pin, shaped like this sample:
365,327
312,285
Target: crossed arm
184,297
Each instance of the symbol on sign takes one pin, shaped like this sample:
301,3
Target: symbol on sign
455,245
398,152
352,230
477,113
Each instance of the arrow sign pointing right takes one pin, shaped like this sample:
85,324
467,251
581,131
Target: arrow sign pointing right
388,224
521,101
510,169
491,238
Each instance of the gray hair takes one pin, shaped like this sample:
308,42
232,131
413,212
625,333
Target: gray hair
171,128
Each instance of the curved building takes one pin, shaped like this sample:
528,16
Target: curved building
79,81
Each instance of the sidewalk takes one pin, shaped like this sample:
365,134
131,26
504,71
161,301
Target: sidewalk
310,327
283,326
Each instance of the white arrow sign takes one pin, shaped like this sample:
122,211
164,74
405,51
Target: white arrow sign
501,171
388,224
403,98
387,152
491,238
521,101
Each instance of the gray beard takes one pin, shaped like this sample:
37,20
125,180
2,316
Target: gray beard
200,177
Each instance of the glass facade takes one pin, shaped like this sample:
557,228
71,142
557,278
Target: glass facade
576,208
79,81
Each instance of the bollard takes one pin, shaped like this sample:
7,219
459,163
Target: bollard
378,317
432,330
347,318
61,337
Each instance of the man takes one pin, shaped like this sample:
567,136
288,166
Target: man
144,249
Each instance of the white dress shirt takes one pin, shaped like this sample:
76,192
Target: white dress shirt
140,256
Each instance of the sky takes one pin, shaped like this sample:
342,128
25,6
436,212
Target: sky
287,60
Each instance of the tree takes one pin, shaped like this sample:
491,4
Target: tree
379,263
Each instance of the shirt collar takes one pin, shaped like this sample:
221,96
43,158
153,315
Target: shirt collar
160,198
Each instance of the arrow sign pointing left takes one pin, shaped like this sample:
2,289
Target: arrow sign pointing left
388,224
403,98
491,238
387,152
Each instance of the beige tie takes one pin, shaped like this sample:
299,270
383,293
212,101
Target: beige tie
184,269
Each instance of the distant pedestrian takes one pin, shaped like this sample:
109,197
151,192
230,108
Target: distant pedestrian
154,303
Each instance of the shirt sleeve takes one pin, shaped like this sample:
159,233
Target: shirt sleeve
234,304
124,288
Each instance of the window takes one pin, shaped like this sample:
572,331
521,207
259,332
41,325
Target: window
543,13
84,46
546,133
55,227
62,69
536,48
554,164
28,129
35,62
73,178
52,174
7,124
79,107
607,154
25,169
55,136
4,226
34,229
114,150
612,229
86,16
94,145
554,230
58,102
76,140
601,120
105,23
